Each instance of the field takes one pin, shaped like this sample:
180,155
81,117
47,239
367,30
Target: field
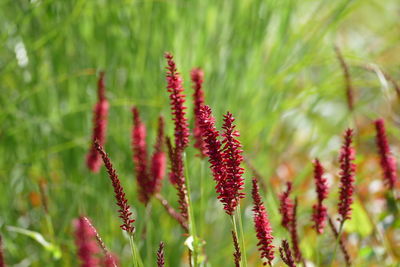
278,66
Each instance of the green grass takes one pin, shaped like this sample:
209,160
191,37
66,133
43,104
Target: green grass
271,63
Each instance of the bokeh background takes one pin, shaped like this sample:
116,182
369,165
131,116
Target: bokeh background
271,63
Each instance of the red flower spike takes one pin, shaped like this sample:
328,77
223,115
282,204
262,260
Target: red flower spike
86,244
237,255
321,188
109,260
197,76
122,202
286,254
294,235
139,148
158,160
213,145
177,103
233,182
262,226
100,114
388,162
160,255
286,207
347,156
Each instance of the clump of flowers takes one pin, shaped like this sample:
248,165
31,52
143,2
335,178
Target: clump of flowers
197,76
286,254
347,177
100,114
225,158
387,161
85,240
286,206
321,188
262,226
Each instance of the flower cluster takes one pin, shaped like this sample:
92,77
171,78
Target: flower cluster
262,226
160,255
286,206
225,158
85,240
237,255
388,162
100,113
197,76
321,187
286,254
177,97
149,178
347,170
122,202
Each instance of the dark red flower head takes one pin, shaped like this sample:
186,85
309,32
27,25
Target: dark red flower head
388,162
100,113
347,177
286,254
198,98
321,187
160,255
177,97
139,148
286,206
262,226
85,240
233,183
2,262
122,202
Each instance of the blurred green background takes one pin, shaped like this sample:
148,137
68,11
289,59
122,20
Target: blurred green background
269,62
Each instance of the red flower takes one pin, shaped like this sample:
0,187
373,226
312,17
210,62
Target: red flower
213,145
262,226
233,181
286,207
225,158
388,162
198,97
177,103
93,160
109,260
347,156
321,187
160,255
286,254
139,148
122,202
294,235
86,243
158,160
237,255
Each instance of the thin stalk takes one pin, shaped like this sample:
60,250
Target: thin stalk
202,198
239,214
337,242
317,250
234,228
148,235
137,261
192,224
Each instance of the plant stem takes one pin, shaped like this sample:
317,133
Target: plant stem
202,198
239,214
137,262
192,224
148,235
317,250
337,242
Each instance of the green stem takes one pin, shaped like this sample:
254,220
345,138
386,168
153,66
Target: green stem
239,214
317,248
148,235
192,224
337,242
234,228
137,261
202,198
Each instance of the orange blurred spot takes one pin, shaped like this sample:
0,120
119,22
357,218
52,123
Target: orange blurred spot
35,199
